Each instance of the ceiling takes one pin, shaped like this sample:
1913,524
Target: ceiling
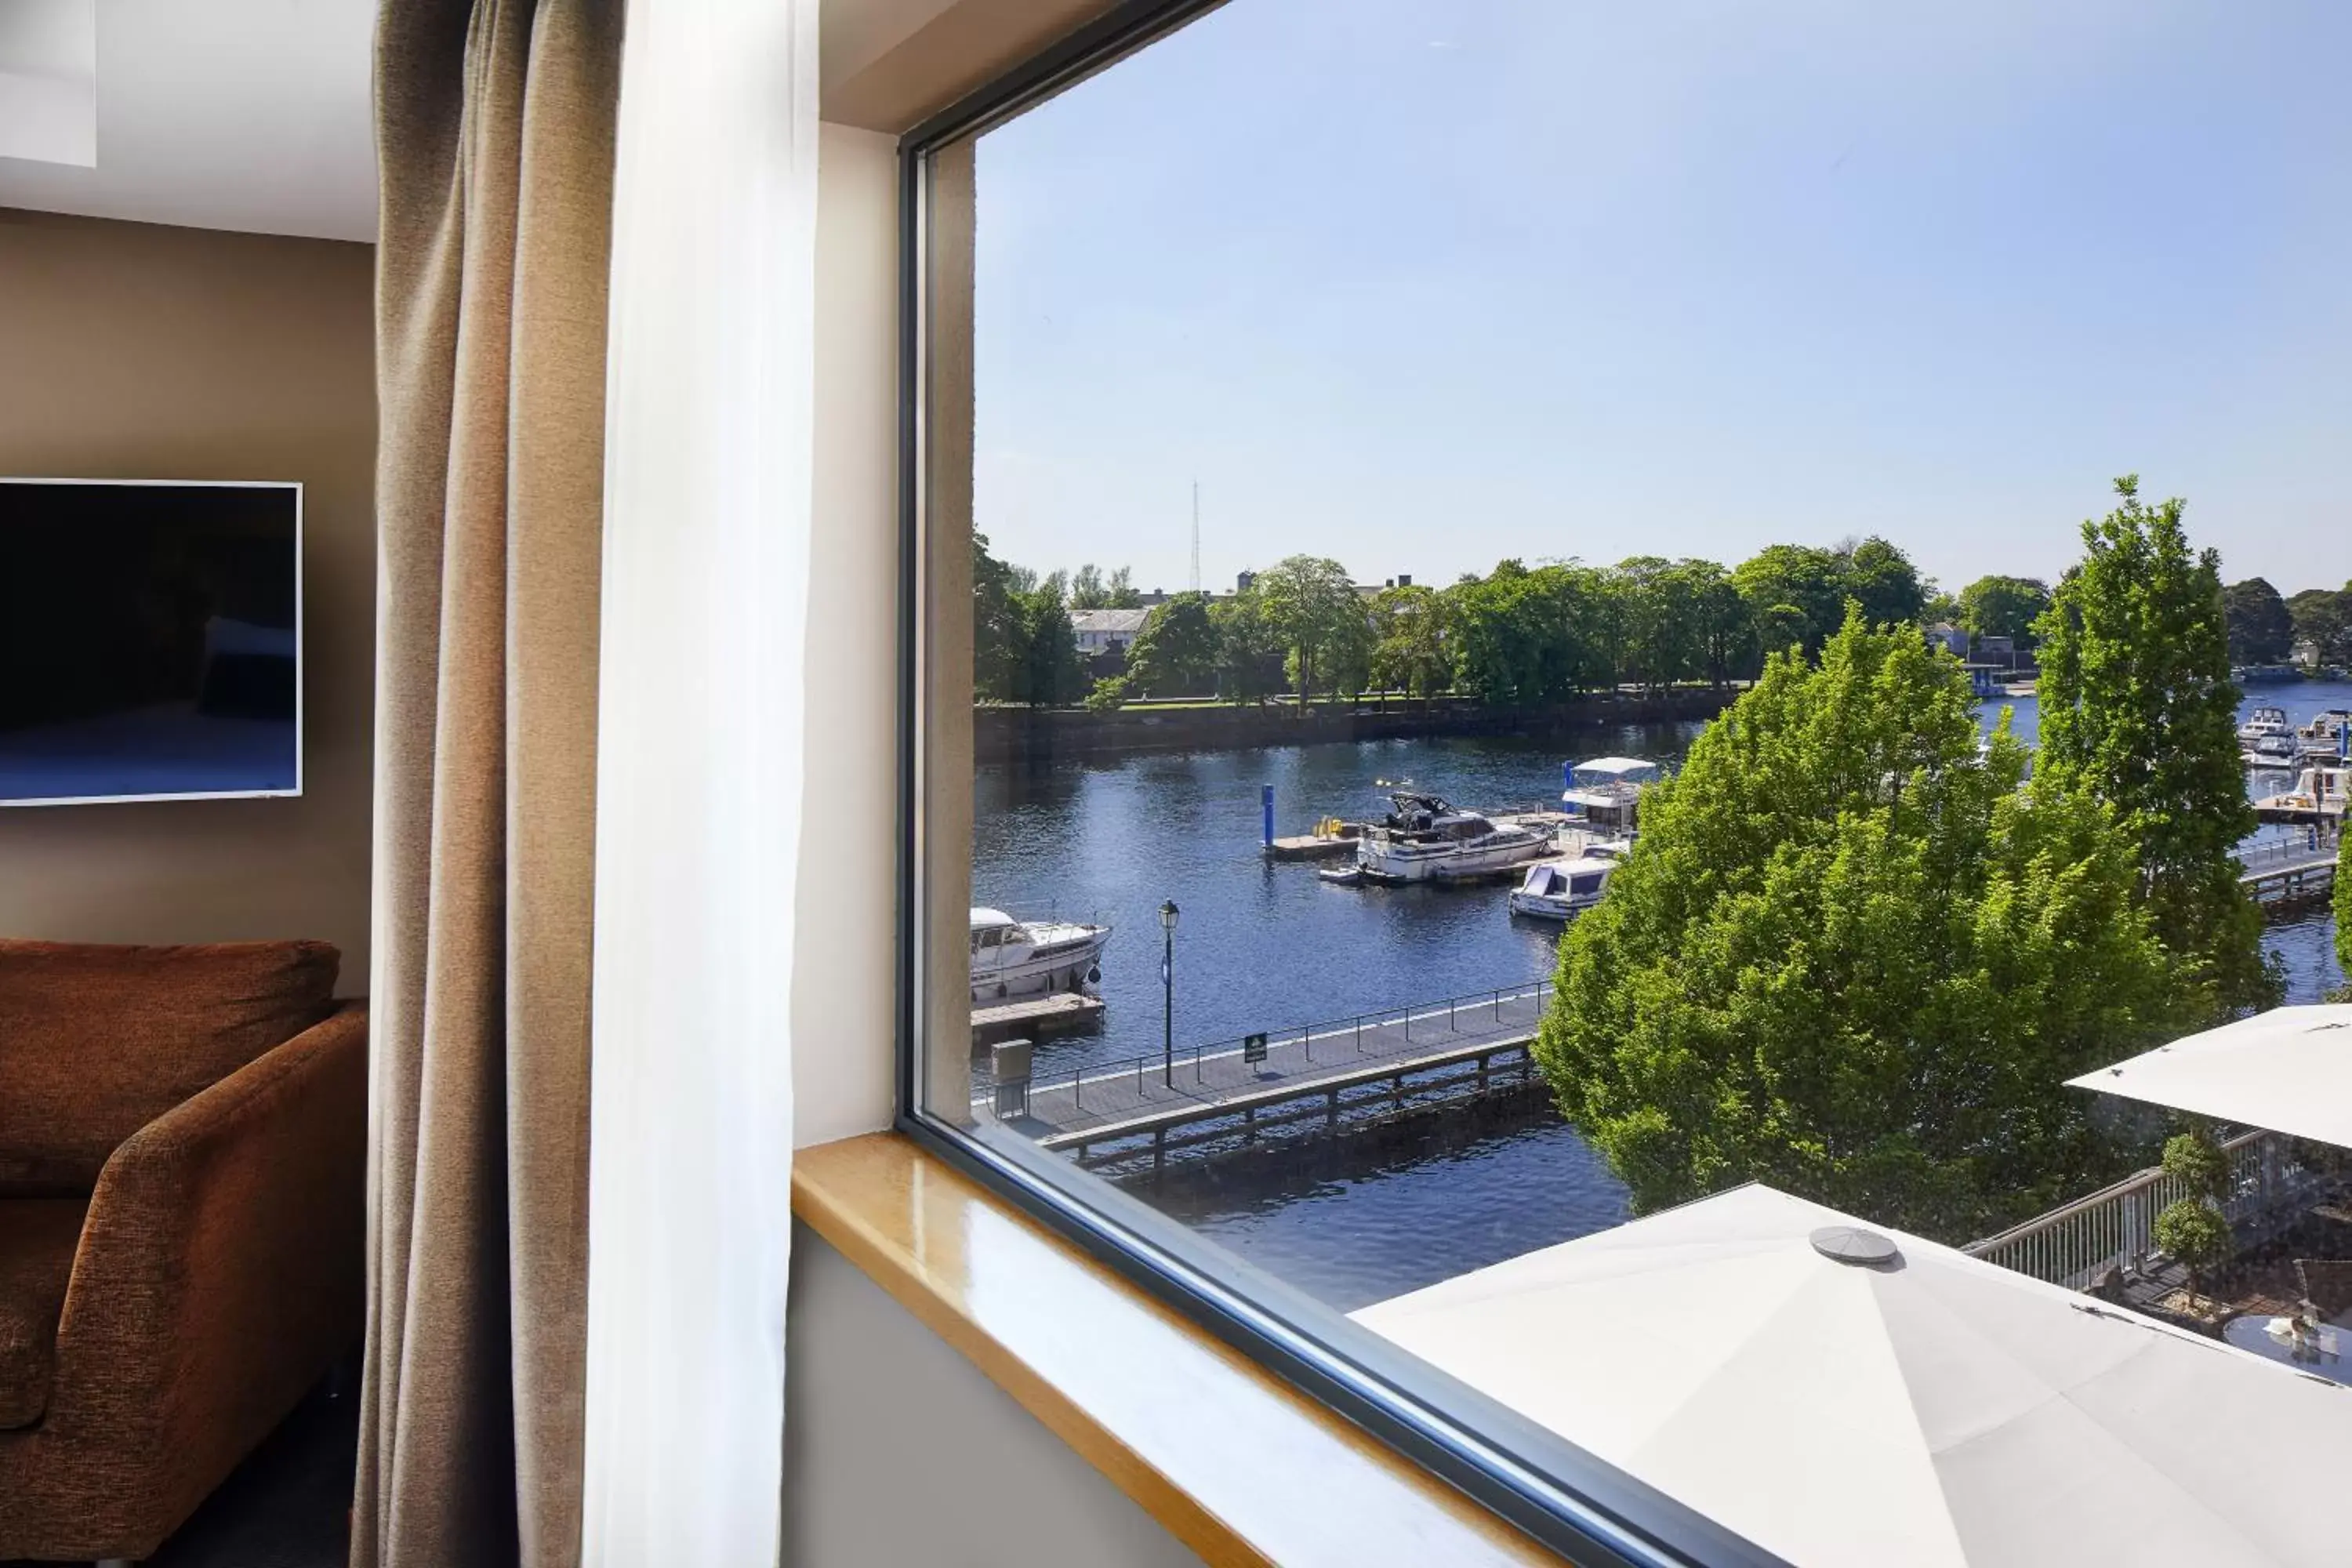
254,114
239,114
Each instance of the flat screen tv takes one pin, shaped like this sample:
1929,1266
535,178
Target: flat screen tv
150,640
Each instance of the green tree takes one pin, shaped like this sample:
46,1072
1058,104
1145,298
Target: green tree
2344,908
1249,647
1797,593
1411,651
2195,1232
1048,672
2004,607
1882,578
2260,629
1526,638
2198,1163
1661,627
1849,956
1312,604
2138,708
1725,626
1176,653
998,637
1087,589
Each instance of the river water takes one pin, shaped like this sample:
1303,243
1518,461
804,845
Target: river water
1261,945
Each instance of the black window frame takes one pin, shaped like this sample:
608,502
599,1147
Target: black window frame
1589,1511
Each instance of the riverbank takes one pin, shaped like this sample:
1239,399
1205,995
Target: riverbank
1002,734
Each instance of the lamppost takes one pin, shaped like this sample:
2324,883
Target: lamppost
1167,992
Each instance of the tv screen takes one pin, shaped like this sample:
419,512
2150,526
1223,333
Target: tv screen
150,640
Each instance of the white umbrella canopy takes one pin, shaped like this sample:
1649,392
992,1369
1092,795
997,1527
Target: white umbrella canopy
1931,1410
2288,1070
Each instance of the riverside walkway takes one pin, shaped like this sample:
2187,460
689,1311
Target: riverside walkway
1146,1095
2293,872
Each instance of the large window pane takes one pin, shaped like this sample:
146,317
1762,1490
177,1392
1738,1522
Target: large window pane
1510,586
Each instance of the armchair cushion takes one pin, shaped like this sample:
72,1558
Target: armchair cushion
98,1041
38,1238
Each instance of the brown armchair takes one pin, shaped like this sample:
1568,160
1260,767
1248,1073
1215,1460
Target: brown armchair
161,1314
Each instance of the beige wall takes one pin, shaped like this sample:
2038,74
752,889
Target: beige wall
134,351
898,1450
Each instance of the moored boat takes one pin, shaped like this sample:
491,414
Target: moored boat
1604,795
2266,723
1013,958
1424,839
1562,890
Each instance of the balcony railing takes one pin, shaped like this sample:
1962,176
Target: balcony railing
2114,1228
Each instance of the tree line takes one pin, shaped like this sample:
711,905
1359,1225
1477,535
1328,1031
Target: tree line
1517,636
2267,628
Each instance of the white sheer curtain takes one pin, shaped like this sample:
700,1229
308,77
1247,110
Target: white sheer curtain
707,486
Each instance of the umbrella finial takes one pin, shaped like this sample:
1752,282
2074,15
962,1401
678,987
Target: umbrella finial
1852,1244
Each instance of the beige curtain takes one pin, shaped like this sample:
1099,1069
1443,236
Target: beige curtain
495,132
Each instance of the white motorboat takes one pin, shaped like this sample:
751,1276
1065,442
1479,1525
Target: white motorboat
1562,889
1013,958
1424,839
2267,722
1604,795
2281,752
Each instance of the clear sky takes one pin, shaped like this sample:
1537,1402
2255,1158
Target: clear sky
1419,284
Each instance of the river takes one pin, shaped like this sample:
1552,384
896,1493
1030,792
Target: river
1262,945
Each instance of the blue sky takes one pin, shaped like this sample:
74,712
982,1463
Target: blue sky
1423,285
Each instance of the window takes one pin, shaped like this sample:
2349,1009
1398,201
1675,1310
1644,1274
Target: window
1548,792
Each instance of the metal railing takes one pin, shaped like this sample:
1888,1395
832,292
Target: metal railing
2114,1228
1213,1066
2298,850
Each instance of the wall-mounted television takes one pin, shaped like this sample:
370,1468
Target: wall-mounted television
150,640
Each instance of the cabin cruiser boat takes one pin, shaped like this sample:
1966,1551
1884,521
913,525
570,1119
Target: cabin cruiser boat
1424,840
2268,723
1014,958
1604,795
1562,890
2278,752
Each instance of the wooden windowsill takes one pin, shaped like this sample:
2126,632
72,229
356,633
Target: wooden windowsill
1232,1461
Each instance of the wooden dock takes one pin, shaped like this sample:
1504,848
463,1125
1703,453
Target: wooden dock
1035,1018
1147,1098
1310,847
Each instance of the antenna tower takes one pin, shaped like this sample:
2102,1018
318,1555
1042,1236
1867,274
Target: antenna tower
1196,536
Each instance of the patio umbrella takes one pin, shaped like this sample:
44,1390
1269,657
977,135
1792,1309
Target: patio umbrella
2288,1070
1925,1408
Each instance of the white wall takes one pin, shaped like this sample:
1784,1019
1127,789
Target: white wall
879,1413
844,929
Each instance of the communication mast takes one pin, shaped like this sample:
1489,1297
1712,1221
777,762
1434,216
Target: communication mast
1196,536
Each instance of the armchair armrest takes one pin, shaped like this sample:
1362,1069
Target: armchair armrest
221,1268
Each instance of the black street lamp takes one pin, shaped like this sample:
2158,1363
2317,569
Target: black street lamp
1167,992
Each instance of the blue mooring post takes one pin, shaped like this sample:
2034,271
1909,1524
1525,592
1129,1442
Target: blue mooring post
1266,810
1568,776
